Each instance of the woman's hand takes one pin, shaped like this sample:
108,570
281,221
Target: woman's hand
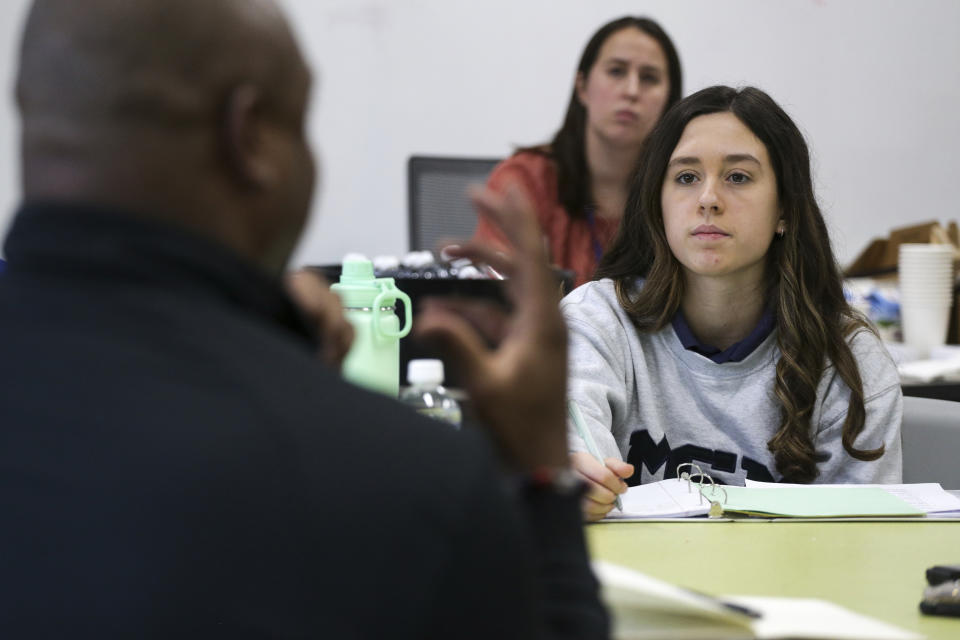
605,482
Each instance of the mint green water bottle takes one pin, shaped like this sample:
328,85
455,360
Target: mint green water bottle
374,358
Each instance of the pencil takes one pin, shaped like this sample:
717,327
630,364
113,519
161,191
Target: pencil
587,437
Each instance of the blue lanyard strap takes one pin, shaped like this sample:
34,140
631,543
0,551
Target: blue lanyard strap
592,223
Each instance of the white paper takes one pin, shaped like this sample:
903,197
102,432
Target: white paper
672,498
644,607
814,619
930,370
626,587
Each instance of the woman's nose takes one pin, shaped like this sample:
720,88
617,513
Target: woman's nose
709,200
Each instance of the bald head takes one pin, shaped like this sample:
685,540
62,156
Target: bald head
149,94
156,62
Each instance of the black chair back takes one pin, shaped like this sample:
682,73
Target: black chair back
439,208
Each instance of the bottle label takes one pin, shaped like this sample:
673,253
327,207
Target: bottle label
444,414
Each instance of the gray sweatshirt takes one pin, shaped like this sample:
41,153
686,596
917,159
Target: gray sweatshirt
649,401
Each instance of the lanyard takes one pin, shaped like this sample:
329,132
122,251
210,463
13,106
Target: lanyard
592,223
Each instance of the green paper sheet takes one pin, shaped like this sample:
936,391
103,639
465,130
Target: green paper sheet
814,502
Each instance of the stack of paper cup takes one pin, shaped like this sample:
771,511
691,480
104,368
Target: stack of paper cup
926,291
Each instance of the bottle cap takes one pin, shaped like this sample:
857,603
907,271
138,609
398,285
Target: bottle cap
358,287
356,269
425,372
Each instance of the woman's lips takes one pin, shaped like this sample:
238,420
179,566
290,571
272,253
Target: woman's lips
709,232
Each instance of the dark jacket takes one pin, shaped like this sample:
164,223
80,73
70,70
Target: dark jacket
174,461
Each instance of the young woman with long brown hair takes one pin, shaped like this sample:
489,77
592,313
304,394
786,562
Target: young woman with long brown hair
717,331
628,75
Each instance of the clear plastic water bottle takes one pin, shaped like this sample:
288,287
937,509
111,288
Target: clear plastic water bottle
426,393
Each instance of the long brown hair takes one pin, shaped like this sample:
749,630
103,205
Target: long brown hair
804,287
568,147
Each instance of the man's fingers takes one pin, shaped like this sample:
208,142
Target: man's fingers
460,340
490,319
307,289
336,347
482,253
514,215
533,291
312,294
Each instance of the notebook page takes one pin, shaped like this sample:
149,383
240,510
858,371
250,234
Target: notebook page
665,499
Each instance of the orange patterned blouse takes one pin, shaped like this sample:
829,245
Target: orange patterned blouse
573,243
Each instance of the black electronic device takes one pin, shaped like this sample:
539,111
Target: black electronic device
942,599
942,573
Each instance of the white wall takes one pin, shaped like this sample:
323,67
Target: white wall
12,13
875,85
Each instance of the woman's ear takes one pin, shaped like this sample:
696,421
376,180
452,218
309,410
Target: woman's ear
781,227
580,84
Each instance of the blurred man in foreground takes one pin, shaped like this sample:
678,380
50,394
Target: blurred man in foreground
176,460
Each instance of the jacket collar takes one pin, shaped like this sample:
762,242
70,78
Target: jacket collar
85,241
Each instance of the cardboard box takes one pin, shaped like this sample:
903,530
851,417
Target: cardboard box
879,259
880,256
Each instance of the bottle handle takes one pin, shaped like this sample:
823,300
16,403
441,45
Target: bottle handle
389,290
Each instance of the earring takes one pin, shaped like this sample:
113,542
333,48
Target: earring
780,231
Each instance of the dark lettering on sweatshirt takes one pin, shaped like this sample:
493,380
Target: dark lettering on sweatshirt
645,453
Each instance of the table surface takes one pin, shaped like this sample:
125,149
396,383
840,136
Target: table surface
873,568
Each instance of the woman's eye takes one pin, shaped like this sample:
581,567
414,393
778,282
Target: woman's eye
650,78
739,178
686,178
616,72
